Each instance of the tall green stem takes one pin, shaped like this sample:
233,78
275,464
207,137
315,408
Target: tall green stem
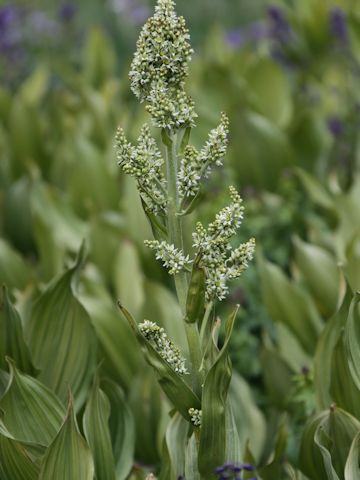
175,233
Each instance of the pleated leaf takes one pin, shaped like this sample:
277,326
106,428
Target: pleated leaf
191,459
213,436
15,462
122,429
11,334
352,339
352,466
324,352
97,433
289,304
175,443
61,338
32,413
69,456
177,390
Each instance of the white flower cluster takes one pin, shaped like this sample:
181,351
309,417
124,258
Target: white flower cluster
221,263
144,163
195,165
160,66
172,258
195,416
164,346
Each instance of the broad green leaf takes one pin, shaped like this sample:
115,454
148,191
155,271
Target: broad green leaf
17,215
57,229
277,377
11,335
326,443
68,456
61,338
97,433
14,272
128,277
273,470
175,443
270,89
352,264
15,462
4,380
352,466
324,352
122,431
248,417
119,352
213,438
191,459
32,413
147,406
177,390
321,274
315,190
352,339
288,303
234,448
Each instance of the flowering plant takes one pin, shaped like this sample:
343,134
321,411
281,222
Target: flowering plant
169,184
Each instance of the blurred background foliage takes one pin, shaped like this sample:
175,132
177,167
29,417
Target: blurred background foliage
287,74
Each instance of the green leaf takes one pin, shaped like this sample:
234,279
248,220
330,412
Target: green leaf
352,468
277,377
14,272
213,438
179,392
32,413
191,459
122,431
15,462
97,433
175,443
11,335
352,265
324,352
289,304
352,339
326,443
315,190
321,274
129,277
61,338
69,455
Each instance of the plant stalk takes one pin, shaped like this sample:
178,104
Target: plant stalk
175,234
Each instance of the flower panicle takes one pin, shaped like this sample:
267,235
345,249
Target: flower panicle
220,260
172,258
164,346
196,165
195,416
144,162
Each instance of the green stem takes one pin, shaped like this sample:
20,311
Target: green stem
174,224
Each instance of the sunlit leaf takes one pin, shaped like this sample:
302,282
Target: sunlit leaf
352,466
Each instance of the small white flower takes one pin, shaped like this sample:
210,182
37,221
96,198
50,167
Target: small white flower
172,258
195,416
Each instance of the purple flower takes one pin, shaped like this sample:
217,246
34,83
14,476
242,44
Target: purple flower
235,38
280,29
335,126
232,471
338,24
67,12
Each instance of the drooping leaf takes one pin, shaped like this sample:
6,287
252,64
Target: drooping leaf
61,338
69,455
213,439
32,413
97,433
14,272
177,390
122,430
